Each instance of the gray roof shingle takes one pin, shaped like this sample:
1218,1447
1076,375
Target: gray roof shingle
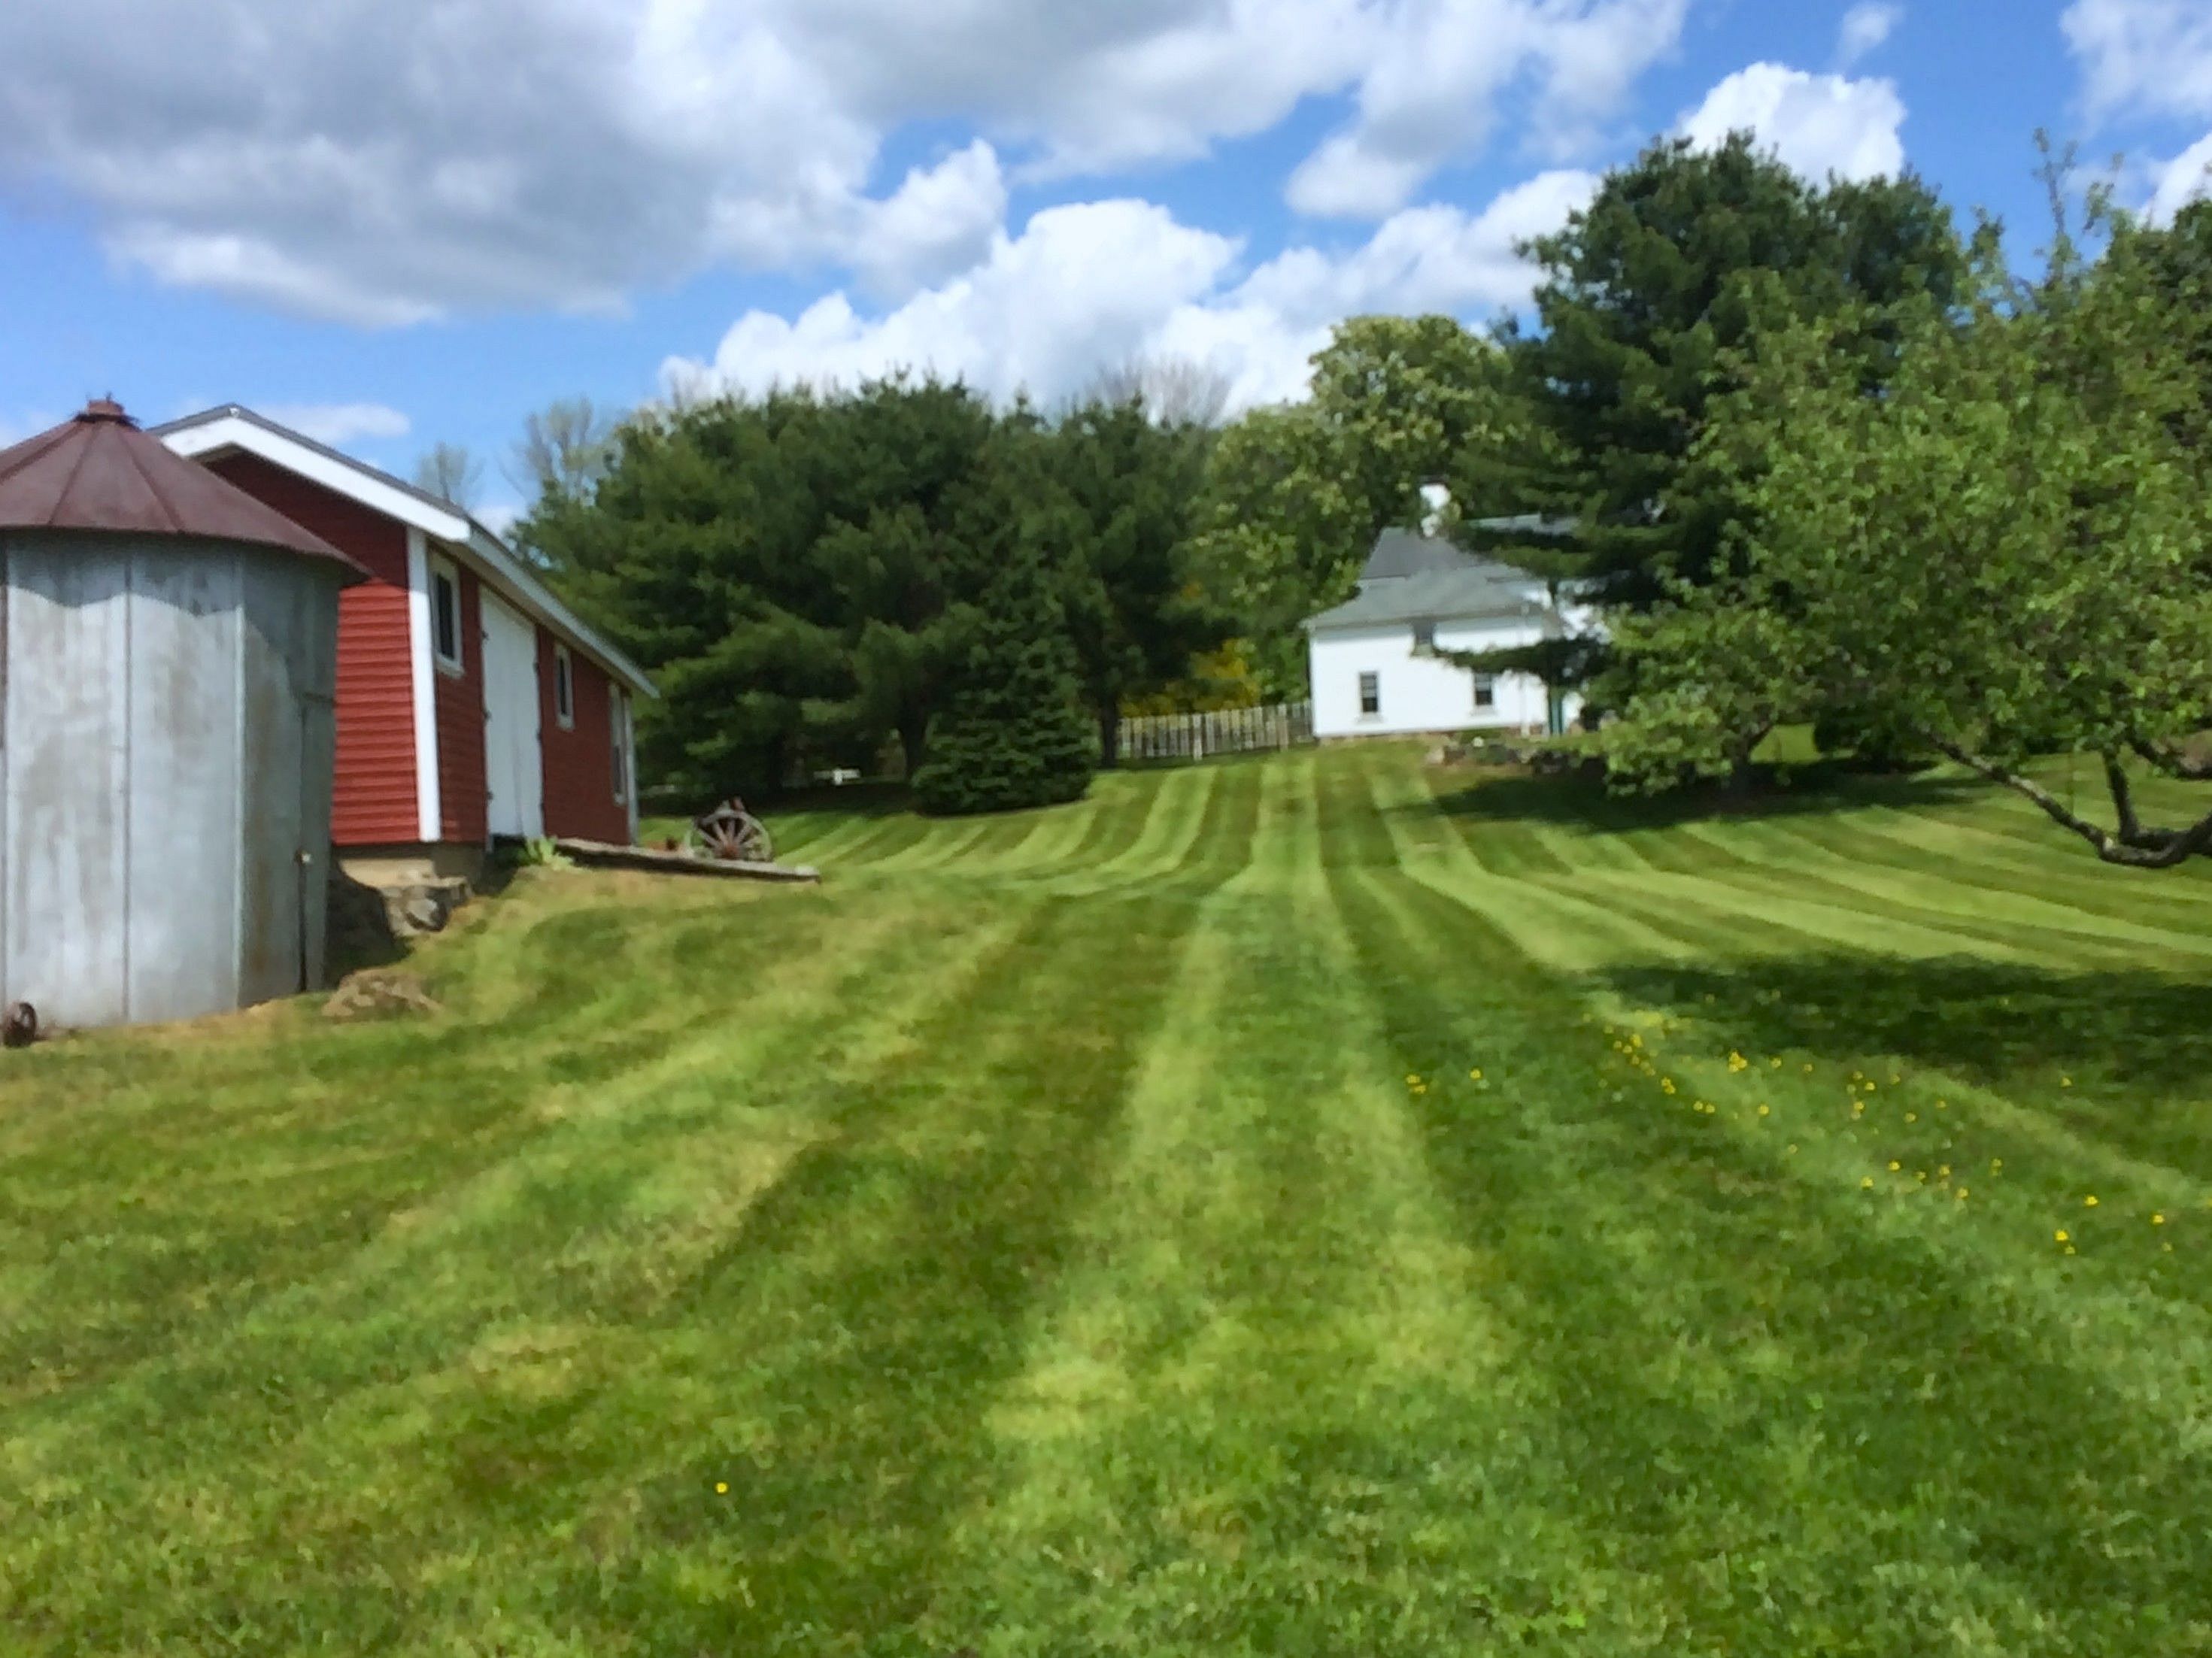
1410,577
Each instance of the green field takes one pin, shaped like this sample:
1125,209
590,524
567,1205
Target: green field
1307,1205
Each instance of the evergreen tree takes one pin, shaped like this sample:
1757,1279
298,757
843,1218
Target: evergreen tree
1651,296
1134,614
1012,732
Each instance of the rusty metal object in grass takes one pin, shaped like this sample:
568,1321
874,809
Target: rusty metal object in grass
20,1027
731,835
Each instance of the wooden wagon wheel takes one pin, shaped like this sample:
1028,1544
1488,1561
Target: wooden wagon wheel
732,834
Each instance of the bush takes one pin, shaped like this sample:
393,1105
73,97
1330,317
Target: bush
1012,732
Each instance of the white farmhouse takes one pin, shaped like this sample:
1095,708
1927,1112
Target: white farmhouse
1377,662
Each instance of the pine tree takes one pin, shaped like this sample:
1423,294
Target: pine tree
1012,732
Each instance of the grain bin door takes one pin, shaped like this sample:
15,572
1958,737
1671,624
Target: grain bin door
514,769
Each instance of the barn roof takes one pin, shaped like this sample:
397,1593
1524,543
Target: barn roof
231,426
99,472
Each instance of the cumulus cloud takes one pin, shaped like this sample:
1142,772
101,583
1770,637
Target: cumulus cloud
2144,56
1434,86
386,161
1817,124
1865,27
339,423
2186,179
1088,286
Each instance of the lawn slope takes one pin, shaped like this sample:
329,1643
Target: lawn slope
1306,1205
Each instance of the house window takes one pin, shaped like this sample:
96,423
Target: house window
617,722
1371,692
446,615
1485,691
564,687
1424,635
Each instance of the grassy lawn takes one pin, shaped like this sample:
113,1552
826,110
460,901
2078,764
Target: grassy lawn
1303,1205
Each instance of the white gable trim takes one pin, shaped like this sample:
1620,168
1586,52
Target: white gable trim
342,477
429,806
230,428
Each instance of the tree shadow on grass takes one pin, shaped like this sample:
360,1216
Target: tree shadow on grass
2133,1046
1584,803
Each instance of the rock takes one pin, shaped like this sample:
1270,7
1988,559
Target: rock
375,993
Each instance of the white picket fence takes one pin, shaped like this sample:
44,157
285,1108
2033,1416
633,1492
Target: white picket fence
1220,731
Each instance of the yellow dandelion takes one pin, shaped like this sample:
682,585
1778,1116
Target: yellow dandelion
2066,1082
1666,1082
2060,1234
1764,1109
721,1488
1809,1070
1867,1185
1894,1166
1944,1171
1942,1105
2069,1249
1776,1063
1912,1116
1476,1075
2089,1202
1960,1194
1996,1163
2158,1220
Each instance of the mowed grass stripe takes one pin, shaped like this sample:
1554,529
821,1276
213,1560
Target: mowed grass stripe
2066,876
1271,1314
1697,1334
1796,851
592,1231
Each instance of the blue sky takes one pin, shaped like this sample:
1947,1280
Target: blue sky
398,221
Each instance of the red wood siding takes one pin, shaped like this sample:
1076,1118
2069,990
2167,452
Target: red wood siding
372,803
580,781
460,704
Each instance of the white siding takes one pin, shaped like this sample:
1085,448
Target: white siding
1421,693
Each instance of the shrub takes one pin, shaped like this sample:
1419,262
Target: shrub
1012,732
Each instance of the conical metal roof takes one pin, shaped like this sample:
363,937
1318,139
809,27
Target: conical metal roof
99,472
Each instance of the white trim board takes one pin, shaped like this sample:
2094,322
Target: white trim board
233,428
429,813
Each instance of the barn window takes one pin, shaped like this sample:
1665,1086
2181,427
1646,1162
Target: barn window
1424,635
619,718
1371,692
564,687
1485,691
446,615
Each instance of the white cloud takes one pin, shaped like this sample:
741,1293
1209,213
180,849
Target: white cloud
1432,90
940,221
2143,56
1084,287
2186,179
390,161
1817,124
339,423
1865,27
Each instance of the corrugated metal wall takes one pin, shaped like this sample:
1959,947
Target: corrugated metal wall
373,802
164,759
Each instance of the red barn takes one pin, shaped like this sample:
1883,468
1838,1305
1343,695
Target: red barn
471,703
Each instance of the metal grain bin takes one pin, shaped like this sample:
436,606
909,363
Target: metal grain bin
168,664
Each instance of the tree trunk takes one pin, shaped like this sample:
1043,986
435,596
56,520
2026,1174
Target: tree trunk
1109,735
914,742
